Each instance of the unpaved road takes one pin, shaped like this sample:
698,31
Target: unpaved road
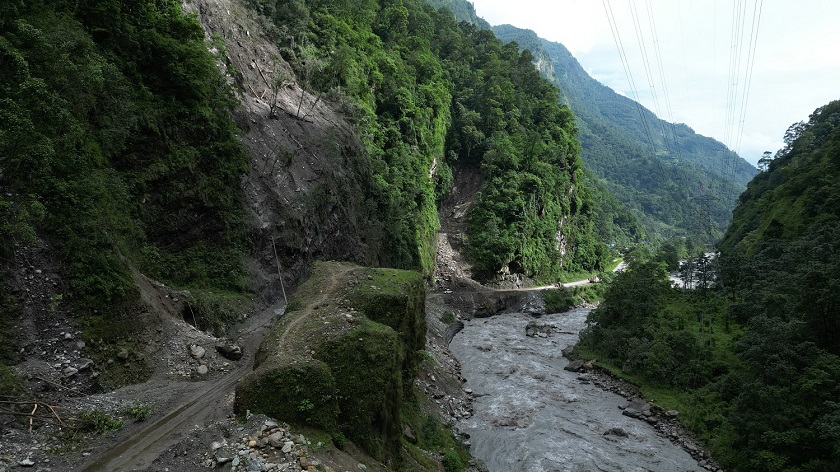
206,401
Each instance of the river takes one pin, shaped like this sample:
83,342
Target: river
531,415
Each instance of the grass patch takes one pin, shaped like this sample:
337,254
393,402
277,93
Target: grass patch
93,422
568,277
612,265
138,411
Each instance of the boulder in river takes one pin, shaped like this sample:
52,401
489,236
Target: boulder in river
575,366
616,431
534,329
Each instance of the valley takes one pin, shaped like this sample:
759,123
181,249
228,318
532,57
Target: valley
334,235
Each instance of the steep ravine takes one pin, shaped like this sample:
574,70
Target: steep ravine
531,414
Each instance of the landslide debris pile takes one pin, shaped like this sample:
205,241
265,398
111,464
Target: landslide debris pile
344,356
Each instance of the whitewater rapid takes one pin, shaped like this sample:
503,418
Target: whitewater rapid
531,415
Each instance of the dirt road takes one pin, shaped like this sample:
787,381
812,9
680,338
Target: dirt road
206,401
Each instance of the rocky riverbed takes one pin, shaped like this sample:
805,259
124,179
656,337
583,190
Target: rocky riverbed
531,414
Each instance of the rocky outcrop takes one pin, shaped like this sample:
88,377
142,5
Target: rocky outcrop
229,351
343,356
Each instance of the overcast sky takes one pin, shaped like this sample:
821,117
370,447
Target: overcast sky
796,66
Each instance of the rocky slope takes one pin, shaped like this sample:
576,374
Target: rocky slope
305,186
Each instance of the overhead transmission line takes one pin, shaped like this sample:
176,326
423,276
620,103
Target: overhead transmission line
703,218
674,152
749,70
736,37
625,63
670,121
736,110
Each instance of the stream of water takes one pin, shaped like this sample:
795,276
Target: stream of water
531,415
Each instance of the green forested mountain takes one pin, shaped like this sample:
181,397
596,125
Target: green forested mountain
680,183
780,262
117,143
751,359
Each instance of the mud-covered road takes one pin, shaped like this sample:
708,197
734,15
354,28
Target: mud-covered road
202,402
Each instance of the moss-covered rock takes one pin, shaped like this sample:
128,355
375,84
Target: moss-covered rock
299,392
343,356
366,362
397,299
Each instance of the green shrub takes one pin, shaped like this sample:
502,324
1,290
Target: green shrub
339,440
558,300
98,422
215,310
8,383
452,462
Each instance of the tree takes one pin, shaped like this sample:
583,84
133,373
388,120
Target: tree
764,162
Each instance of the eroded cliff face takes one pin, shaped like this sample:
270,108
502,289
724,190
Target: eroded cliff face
306,189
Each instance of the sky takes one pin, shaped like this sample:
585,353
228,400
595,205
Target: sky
795,66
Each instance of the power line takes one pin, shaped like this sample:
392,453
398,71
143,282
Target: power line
625,63
750,68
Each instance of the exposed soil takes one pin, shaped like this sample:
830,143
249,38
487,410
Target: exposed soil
56,371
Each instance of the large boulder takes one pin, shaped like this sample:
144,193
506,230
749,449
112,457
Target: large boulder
637,408
344,355
229,351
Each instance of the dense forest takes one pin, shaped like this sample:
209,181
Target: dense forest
678,182
429,95
117,142
751,355
463,11
117,148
